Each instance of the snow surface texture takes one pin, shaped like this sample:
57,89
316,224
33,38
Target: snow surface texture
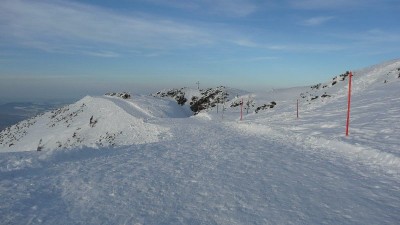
168,167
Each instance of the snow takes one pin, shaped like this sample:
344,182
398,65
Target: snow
118,121
169,167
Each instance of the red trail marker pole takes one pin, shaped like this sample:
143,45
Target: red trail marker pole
348,105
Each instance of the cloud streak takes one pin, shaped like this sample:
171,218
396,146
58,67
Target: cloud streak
239,8
368,38
57,26
316,21
229,8
328,5
291,47
73,28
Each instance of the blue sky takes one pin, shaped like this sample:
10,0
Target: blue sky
78,47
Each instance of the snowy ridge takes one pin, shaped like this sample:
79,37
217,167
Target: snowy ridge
363,79
92,122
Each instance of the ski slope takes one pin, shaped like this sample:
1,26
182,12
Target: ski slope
168,167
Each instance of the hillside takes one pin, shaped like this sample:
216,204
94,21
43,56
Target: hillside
115,159
92,122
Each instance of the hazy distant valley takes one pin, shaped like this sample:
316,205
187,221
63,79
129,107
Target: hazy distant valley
14,112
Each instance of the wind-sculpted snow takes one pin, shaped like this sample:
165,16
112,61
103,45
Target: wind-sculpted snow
149,160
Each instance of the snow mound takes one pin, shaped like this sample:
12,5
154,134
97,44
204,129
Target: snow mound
91,122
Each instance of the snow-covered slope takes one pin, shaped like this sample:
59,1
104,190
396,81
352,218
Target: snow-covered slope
168,166
92,122
374,122
385,75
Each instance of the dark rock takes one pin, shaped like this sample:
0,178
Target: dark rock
124,95
325,95
266,106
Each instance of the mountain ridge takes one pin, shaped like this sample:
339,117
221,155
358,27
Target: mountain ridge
121,119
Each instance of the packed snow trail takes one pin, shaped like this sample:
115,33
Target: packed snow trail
206,173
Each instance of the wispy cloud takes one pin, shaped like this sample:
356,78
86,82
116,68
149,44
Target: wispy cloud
104,54
369,37
316,21
245,59
301,47
230,8
368,42
378,35
59,26
291,47
75,28
179,4
246,43
234,7
325,4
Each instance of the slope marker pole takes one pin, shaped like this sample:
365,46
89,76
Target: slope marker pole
297,108
348,105
241,109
